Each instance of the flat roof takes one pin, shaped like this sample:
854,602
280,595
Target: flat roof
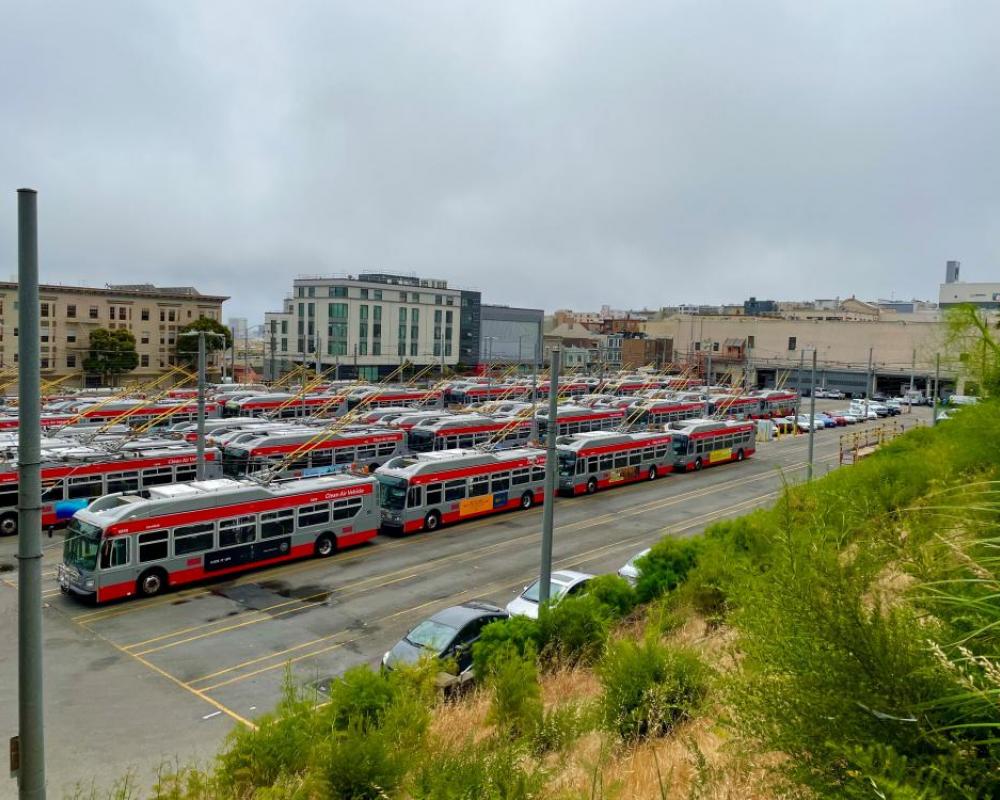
134,290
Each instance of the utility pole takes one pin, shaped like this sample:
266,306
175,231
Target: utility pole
937,380
708,382
246,352
913,369
534,393
29,745
550,480
319,362
798,375
274,375
868,382
812,418
200,446
355,361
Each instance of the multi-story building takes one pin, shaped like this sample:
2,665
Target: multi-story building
954,292
69,313
372,322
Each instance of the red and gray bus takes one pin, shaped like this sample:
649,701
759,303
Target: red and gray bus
316,452
420,492
701,443
290,406
124,545
467,430
579,419
72,477
657,413
602,459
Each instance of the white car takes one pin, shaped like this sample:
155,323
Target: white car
565,582
850,417
834,394
859,412
629,570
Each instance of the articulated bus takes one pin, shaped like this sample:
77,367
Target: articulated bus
579,419
73,476
141,544
420,492
351,448
701,443
261,404
601,459
466,430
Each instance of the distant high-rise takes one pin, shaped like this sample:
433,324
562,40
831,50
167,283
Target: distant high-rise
238,325
951,271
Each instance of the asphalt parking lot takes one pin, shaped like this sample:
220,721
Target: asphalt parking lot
136,683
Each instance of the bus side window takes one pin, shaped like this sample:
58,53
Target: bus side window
592,463
187,473
581,466
114,552
433,494
413,497
479,485
607,460
454,490
345,509
520,476
538,473
153,546
635,458
87,486
344,455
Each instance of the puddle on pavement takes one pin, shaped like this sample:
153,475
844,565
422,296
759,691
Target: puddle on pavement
267,594
311,592
6,566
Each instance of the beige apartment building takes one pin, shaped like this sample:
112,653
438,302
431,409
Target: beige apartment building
777,349
69,313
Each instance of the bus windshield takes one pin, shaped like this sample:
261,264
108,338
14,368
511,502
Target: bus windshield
82,542
567,463
680,444
391,492
421,441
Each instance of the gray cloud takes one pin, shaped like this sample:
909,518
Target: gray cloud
550,154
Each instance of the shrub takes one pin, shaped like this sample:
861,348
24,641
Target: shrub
361,696
575,629
516,698
521,633
649,688
360,764
665,567
560,727
476,773
614,592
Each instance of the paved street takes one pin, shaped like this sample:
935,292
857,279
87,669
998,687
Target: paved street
132,684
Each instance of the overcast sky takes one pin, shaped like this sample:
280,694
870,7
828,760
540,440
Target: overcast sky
553,154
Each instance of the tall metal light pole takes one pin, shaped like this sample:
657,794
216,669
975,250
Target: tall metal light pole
534,392
937,380
868,382
812,418
708,381
550,480
200,441
30,742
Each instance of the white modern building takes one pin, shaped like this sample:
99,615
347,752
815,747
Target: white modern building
373,322
954,292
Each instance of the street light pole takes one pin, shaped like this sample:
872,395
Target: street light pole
200,447
812,418
868,382
30,742
550,480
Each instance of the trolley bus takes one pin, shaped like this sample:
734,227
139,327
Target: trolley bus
778,404
291,406
648,413
578,419
480,392
73,476
601,459
134,413
701,443
352,447
423,491
736,406
466,430
386,398
141,544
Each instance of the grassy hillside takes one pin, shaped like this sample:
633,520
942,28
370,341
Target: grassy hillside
841,644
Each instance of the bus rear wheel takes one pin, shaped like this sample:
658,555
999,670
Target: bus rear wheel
326,545
739,454
8,524
697,465
653,474
527,500
591,486
152,582
432,521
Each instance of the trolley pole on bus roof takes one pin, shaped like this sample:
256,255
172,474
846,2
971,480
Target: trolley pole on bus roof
28,747
812,418
550,479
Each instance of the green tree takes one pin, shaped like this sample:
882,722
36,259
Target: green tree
973,343
187,346
111,354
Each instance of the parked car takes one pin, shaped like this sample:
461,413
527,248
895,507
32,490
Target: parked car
564,583
838,419
826,420
834,394
629,571
858,408
805,423
821,393
448,634
848,416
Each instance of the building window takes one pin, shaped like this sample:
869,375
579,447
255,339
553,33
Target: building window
71,337
402,333
363,312
376,348
338,291
402,315
437,331
792,343
145,315
284,345
437,348
697,346
45,363
448,317
337,310
447,333
376,330
715,347
71,360
94,312
284,326
376,294
311,291
402,297
45,309
362,330
414,332
171,316
144,339
414,297
437,299
447,348
71,312
377,313
415,315
362,348
401,349
364,294
449,301
751,342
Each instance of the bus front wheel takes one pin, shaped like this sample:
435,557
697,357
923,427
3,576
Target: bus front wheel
326,545
152,582
8,524
432,521
591,486
527,500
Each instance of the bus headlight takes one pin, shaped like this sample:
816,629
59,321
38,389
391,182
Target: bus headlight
88,584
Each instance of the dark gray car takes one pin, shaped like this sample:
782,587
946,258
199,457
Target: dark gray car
449,634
